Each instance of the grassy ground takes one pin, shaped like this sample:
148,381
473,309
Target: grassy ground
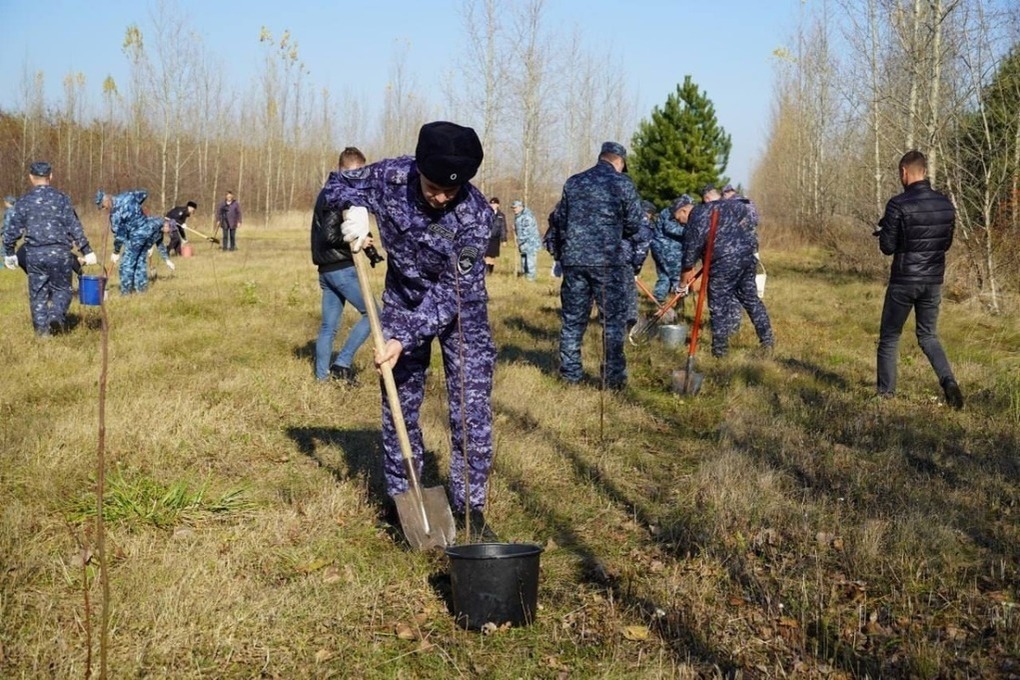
782,523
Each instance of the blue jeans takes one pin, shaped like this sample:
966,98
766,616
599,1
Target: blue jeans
338,287
900,298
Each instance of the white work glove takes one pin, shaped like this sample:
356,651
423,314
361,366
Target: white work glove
170,265
114,257
91,258
355,227
11,261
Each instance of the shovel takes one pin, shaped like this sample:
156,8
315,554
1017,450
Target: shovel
425,515
686,381
664,313
205,236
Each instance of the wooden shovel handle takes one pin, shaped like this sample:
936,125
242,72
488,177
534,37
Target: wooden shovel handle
387,373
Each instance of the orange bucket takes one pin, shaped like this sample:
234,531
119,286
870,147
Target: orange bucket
187,250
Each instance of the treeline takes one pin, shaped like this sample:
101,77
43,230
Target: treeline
541,102
864,82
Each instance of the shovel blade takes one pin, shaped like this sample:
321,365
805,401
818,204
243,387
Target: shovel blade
687,382
441,530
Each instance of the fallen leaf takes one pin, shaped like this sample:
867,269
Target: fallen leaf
636,632
551,545
331,575
424,646
787,622
837,544
404,632
736,601
656,566
314,565
323,655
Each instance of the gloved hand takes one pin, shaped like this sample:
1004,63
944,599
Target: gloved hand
355,227
114,257
91,258
11,261
170,265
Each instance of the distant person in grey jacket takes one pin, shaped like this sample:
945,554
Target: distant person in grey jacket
229,217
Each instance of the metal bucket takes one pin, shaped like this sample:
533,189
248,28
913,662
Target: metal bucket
91,289
673,335
494,583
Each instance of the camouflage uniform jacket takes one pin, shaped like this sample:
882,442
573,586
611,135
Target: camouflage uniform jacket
526,228
45,218
435,255
736,238
599,208
126,215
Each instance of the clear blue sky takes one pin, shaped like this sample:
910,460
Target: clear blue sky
348,46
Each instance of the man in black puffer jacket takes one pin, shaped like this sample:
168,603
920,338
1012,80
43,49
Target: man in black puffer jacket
339,283
917,230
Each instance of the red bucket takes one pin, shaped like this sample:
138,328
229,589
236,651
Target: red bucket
187,250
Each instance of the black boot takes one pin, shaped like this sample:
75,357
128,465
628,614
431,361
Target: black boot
480,532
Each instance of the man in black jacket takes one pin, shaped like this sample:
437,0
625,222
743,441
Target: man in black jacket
339,283
917,230
179,216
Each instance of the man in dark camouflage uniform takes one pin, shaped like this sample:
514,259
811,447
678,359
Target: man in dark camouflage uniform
135,233
435,227
731,274
598,210
667,246
45,218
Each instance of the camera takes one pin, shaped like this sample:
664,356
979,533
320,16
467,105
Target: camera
373,255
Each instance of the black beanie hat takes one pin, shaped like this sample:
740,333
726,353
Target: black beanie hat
448,154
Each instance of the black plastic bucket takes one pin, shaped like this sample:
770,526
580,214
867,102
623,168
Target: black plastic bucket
494,583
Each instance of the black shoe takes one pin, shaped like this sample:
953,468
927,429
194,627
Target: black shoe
480,531
345,374
954,397
56,328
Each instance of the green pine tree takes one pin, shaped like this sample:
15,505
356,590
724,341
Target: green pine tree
681,149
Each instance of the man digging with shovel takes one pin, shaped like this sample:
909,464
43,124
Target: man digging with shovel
435,227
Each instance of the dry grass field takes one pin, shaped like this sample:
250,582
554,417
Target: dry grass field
783,523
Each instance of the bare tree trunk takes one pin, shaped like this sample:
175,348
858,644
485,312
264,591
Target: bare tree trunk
913,53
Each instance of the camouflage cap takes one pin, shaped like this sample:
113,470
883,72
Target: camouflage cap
40,169
448,154
614,147
728,188
705,189
680,202
517,204
99,198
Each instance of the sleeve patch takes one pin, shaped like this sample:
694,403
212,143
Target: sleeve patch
466,259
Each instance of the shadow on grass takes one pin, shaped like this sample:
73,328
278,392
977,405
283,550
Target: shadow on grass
686,644
362,450
305,352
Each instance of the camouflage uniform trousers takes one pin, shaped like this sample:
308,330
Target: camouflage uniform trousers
479,360
729,289
134,261
49,286
607,288
667,269
631,298
529,263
